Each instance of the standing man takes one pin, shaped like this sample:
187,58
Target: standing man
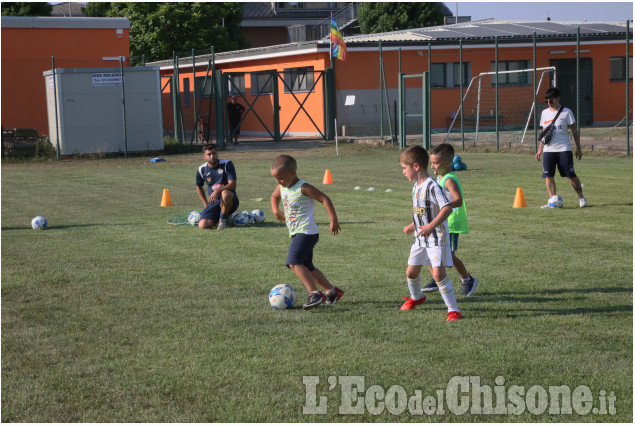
557,152
234,113
221,200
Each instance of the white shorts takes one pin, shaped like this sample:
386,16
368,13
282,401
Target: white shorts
436,256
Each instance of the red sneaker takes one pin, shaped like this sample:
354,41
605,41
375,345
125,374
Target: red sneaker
454,315
410,303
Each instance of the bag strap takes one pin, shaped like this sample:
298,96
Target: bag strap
557,115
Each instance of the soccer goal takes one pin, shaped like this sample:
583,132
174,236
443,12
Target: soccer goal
515,104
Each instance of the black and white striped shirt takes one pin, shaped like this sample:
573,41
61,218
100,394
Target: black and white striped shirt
427,201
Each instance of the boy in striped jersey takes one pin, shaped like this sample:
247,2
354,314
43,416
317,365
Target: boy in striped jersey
297,198
431,247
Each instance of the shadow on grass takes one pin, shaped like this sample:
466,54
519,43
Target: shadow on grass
68,226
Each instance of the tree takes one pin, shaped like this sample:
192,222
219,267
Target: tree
158,29
26,9
384,17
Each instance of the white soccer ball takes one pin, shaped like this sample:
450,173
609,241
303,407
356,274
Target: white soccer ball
194,217
39,223
259,216
555,201
239,219
282,297
250,217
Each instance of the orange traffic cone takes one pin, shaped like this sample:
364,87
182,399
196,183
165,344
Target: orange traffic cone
519,201
327,177
166,201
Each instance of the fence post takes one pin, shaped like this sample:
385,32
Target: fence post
381,95
194,132
496,89
57,126
217,76
425,114
123,102
534,94
577,80
626,79
461,95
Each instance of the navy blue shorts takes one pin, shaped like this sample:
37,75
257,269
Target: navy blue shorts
212,211
564,162
454,241
301,250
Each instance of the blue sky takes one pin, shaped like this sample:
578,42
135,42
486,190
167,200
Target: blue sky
558,11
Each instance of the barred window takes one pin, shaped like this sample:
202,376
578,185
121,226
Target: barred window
203,87
236,84
262,82
298,79
617,69
515,78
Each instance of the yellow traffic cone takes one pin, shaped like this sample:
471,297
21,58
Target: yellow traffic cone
166,201
327,177
519,201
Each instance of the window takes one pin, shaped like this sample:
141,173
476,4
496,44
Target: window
298,79
515,78
262,82
447,75
618,69
437,75
456,75
236,84
200,90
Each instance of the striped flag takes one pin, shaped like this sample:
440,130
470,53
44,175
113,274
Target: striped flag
338,48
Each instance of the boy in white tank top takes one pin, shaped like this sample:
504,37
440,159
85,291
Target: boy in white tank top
297,197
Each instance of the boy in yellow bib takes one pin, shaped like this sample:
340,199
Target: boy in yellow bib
441,163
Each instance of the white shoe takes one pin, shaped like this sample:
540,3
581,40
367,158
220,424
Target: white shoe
546,206
222,224
583,202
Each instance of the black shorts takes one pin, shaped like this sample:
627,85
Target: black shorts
564,162
212,211
301,250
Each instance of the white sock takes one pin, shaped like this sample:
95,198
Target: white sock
414,286
447,292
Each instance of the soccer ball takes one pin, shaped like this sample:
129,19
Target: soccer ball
39,223
282,297
555,201
194,217
239,219
258,215
457,159
250,217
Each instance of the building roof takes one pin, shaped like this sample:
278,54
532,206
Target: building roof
59,22
490,28
68,9
483,31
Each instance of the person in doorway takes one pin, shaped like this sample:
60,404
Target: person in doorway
234,113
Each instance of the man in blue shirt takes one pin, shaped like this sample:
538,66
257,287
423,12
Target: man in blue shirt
221,199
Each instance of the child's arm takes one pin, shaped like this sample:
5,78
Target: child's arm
275,204
409,229
440,218
314,193
453,188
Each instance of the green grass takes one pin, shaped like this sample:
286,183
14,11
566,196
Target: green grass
111,315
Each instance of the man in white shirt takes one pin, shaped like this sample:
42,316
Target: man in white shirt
558,152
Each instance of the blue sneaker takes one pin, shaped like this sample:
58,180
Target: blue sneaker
430,287
467,288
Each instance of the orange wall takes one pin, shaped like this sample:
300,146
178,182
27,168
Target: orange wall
26,54
264,104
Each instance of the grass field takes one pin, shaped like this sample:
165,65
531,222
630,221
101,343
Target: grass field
111,315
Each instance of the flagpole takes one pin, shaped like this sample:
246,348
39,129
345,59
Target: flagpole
330,44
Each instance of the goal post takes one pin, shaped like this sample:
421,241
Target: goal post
513,114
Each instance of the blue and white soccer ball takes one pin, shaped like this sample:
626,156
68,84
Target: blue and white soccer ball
239,219
250,217
555,201
259,216
282,297
194,217
457,159
39,223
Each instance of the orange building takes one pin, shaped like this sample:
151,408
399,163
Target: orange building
30,43
360,106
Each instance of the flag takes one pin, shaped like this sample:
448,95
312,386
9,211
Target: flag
338,48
